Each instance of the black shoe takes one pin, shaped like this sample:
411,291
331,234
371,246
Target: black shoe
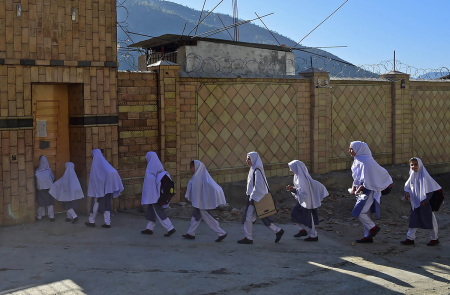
106,226
301,233
245,241
75,220
170,232
220,238
407,242
87,223
433,242
147,232
373,231
52,219
37,219
279,235
309,239
68,219
189,237
365,240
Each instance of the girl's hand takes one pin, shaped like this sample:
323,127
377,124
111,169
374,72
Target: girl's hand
360,188
422,203
407,196
290,188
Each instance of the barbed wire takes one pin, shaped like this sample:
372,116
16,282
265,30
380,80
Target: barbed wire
414,72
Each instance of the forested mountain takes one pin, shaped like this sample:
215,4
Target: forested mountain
143,19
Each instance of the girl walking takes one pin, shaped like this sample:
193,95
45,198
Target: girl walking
309,193
204,194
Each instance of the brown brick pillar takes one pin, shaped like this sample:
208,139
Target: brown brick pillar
320,120
169,118
402,117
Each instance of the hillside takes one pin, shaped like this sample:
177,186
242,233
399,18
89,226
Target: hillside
153,18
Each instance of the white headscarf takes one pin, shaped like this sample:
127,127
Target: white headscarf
152,179
259,189
44,175
68,187
311,191
202,190
103,179
366,170
419,184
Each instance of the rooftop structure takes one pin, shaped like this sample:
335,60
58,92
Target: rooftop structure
206,56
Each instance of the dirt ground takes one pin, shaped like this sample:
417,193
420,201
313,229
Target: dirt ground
62,258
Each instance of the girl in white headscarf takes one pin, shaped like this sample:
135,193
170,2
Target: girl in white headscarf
104,185
151,193
257,187
44,180
68,190
369,179
419,188
204,194
309,193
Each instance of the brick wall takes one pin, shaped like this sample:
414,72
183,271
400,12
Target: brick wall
86,102
138,131
429,123
46,32
361,110
17,178
220,120
223,119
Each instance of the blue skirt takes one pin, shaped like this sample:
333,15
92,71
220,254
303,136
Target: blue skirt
69,205
421,217
303,216
104,203
43,198
150,214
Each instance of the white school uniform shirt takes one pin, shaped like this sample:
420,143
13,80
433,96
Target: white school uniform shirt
419,184
103,179
68,187
310,192
365,170
257,190
202,191
44,175
152,179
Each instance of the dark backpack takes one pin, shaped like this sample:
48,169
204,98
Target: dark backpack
437,200
387,190
167,190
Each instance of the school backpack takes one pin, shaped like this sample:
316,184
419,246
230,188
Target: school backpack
437,199
387,190
167,190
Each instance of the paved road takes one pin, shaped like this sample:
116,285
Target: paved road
61,258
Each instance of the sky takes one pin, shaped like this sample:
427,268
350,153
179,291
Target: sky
371,29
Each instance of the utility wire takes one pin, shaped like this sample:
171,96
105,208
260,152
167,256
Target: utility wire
321,23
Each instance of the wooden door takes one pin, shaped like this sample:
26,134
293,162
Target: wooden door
51,126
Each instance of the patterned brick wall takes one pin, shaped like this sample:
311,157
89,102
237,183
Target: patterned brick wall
222,120
361,110
235,118
430,122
